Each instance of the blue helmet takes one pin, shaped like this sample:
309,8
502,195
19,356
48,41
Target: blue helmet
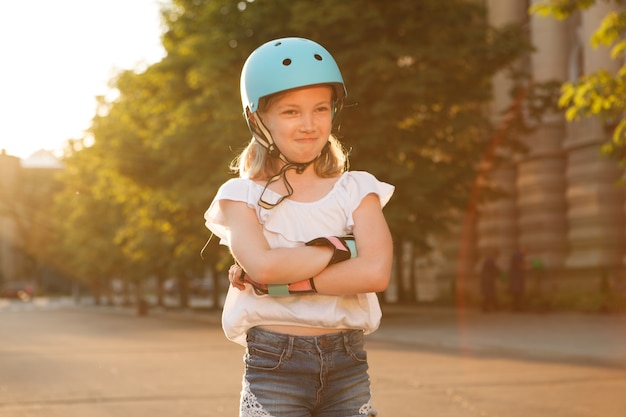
287,63
281,65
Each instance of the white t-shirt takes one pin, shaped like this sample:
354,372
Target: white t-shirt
291,224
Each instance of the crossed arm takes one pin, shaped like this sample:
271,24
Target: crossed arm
369,271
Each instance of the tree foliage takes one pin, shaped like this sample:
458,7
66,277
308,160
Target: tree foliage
418,78
599,93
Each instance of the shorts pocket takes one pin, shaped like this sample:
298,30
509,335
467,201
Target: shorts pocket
358,353
264,358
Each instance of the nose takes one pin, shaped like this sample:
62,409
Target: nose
307,123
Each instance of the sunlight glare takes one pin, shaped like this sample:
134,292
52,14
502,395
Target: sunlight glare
61,55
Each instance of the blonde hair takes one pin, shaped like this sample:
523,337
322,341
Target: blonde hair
254,161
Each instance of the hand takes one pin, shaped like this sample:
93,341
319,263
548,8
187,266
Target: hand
238,278
235,276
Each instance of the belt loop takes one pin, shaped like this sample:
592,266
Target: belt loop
346,342
289,350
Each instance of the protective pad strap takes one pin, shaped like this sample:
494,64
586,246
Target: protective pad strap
278,290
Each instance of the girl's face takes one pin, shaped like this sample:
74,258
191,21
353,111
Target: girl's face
300,121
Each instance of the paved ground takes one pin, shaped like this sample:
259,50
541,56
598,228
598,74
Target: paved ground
57,359
570,337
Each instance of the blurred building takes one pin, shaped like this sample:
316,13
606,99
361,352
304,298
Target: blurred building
9,258
564,207
18,178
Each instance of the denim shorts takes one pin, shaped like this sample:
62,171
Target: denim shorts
305,376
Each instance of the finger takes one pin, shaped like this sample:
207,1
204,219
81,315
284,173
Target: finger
239,285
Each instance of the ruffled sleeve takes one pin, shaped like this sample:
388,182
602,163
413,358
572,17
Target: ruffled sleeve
235,189
359,184
292,223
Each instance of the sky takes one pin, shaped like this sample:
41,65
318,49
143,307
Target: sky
56,56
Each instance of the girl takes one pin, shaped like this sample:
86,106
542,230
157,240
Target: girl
309,238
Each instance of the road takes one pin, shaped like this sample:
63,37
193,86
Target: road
90,362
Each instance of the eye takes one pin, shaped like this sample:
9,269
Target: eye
323,108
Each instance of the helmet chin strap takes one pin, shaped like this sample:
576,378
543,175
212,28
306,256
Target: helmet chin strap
264,137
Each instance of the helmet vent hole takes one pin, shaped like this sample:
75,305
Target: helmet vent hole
286,62
318,57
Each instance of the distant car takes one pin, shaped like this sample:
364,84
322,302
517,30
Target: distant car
18,290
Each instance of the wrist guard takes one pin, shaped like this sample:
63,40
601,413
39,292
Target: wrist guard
344,247
306,286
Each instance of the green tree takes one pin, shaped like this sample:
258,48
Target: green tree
154,150
599,93
416,93
87,218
